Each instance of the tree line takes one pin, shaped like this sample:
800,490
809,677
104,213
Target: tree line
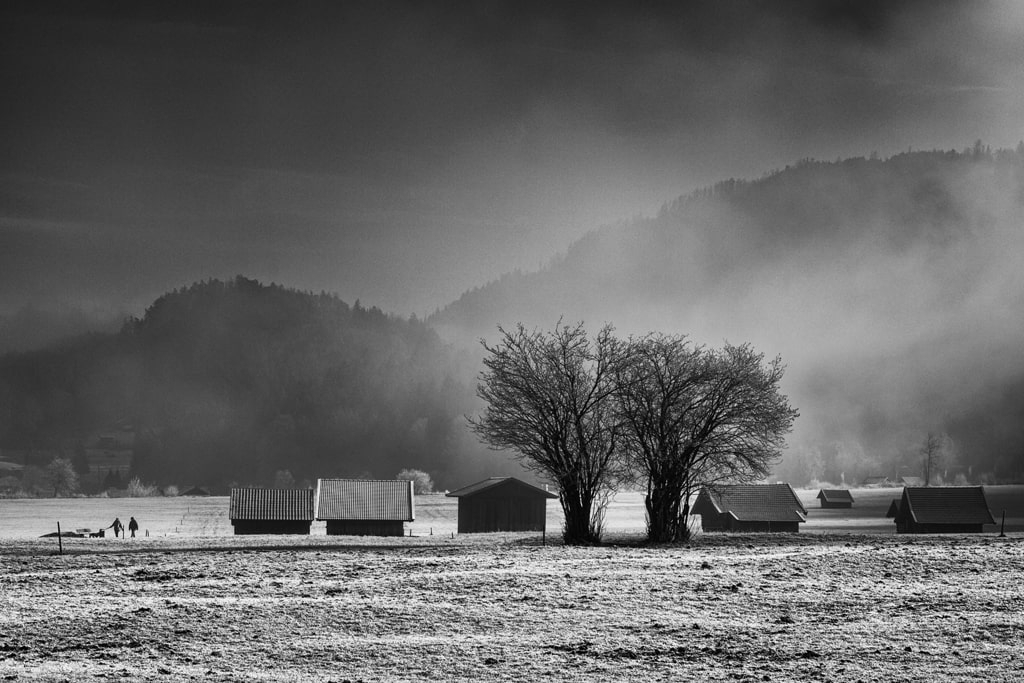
590,414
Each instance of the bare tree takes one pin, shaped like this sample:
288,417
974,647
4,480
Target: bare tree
657,390
550,399
698,417
421,481
931,454
60,474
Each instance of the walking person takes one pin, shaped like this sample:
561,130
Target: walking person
133,526
116,526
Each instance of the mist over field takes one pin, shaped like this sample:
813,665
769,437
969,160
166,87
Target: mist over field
331,204
891,288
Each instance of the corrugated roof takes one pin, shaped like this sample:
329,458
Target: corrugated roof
364,499
758,502
835,495
946,505
495,481
271,504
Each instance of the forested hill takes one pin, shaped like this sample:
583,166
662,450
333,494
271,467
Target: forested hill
231,382
892,288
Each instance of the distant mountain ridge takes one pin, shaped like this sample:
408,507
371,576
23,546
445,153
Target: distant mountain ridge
900,202
891,288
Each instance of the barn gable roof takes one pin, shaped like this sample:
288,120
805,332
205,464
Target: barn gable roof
894,508
384,500
835,496
271,504
493,482
946,505
755,502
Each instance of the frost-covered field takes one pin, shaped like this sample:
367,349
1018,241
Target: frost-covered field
812,606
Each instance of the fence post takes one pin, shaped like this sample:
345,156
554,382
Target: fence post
1002,527
60,539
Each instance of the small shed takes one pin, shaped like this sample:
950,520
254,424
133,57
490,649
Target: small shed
835,498
943,510
271,511
501,504
750,507
364,507
894,508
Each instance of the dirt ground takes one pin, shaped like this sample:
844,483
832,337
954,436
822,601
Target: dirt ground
821,607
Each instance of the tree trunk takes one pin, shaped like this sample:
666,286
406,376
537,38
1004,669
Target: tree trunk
578,508
663,515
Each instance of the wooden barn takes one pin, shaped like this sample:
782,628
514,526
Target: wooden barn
894,508
364,507
750,507
271,511
835,498
501,504
943,510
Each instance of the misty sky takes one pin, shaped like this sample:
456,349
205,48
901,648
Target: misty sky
402,153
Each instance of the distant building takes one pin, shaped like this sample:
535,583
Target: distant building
911,481
109,454
365,507
943,510
835,498
501,504
876,482
750,507
196,491
271,511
